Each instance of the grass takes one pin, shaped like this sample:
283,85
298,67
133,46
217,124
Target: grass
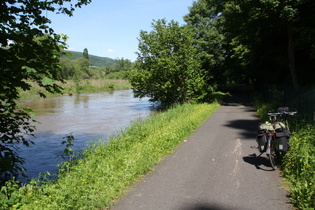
79,86
299,168
106,169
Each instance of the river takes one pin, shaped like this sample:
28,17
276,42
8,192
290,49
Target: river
88,117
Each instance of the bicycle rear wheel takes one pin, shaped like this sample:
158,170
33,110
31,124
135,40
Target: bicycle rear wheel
273,157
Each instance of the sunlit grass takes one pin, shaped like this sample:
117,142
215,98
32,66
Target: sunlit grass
299,168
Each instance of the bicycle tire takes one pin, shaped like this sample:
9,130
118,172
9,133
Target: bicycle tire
273,156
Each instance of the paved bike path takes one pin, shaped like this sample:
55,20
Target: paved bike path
215,168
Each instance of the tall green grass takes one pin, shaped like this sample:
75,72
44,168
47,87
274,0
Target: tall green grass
299,168
107,169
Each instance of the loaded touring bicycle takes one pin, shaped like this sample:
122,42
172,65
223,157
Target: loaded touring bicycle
273,137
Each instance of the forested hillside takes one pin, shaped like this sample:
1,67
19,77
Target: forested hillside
94,60
76,65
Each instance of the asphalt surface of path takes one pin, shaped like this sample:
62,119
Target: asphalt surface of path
215,169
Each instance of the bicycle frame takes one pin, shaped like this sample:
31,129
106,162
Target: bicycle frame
270,135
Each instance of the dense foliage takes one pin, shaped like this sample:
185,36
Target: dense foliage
29,50
257,40
78,66
299,168
204,20
167,67
252,42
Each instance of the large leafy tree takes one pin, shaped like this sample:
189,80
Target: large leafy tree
205,21
30,51
267,41
168,69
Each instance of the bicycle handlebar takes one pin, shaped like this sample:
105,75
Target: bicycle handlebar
282,111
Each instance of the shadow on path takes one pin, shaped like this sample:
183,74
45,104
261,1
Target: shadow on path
212,206
260,162
248,127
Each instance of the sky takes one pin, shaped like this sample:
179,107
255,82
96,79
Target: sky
110,28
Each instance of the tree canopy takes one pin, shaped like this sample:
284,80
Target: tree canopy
30,51
253,42
264,38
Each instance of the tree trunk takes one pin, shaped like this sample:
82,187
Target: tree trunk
292,57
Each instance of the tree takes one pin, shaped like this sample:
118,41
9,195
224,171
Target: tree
254,40
86,54
272,32
68,68
30,51
84,70
122,65
167,67
204,20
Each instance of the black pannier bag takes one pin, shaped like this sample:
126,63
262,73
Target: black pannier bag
262,141
282,144
282,140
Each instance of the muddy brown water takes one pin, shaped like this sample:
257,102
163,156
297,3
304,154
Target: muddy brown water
88,117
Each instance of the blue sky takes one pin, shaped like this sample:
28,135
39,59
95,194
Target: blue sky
110,28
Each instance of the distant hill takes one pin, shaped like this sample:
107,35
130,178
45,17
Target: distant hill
94,60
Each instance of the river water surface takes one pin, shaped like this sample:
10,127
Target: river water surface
88,117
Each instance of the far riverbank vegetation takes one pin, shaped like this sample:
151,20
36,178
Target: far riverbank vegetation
72,87
84,73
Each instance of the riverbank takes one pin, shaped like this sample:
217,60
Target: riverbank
71,87
87,117
106,170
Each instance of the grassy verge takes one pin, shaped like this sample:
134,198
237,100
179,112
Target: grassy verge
106,170
298,165
79,86
299,168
